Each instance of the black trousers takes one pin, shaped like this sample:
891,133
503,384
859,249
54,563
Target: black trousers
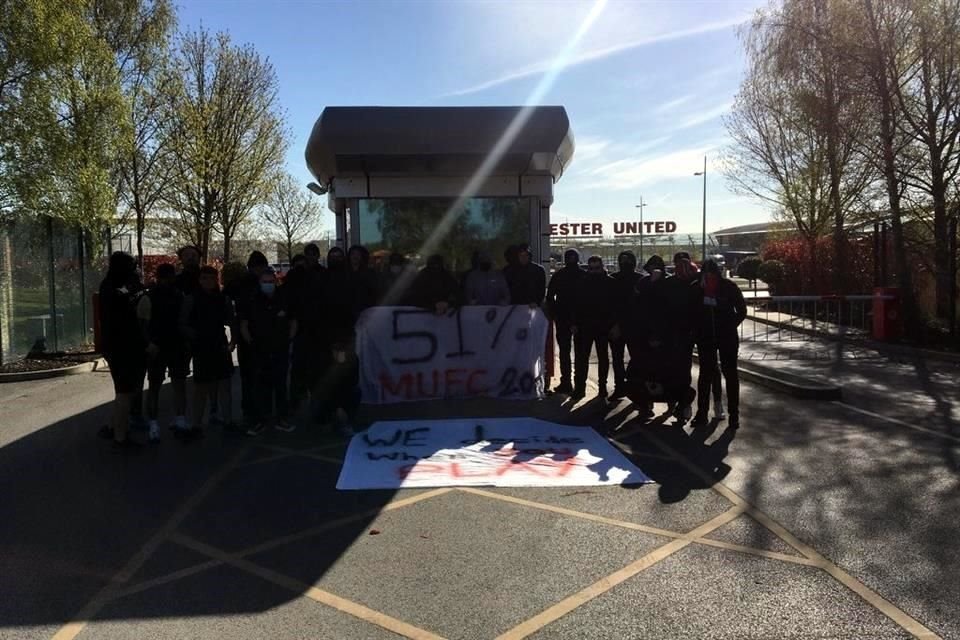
271,380
586,339
728,347
564,347
619,347
310,360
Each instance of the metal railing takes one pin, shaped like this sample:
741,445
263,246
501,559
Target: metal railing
808,318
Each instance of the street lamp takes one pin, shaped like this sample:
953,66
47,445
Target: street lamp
703,255
640,209
317,189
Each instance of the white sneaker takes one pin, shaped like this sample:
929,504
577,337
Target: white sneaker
718,410
285,426
154,431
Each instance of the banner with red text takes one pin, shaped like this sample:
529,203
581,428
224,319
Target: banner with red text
501,452
409,354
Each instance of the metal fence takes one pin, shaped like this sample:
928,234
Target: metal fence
807,318
48,273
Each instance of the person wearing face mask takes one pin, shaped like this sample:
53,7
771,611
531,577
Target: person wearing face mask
124,347
593,318
395,282
527,280
485,285
204,317
626,279
435,288
559,304
723,310
269,329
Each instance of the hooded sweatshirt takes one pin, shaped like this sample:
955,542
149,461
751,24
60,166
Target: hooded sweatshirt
486,287
562,290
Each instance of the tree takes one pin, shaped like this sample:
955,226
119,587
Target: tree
292,212
747,269
138,32
226,134
60,112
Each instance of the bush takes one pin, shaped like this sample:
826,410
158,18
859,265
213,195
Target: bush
773,272
747,269
809,267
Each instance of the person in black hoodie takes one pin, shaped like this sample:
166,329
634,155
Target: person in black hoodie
241,291
188,280
159,313
723,310
396,281
123,345
363,280
204,317
593,318
626,278
681,306
527,280
435,288
559,305
269,329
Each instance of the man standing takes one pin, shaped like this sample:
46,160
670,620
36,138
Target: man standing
188,280
485,285
593,317
626,279
159,314
723,310
245,290
527,280
435,288
561,296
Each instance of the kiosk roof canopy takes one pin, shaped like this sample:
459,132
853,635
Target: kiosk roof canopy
451,141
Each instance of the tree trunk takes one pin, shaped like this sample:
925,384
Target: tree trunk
226,246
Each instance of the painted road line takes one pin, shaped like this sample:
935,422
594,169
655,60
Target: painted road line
318,595
600,587
896,421
753,551
278,542
878,602
286,452
73,628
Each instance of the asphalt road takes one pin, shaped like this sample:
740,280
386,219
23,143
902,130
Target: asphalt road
814,520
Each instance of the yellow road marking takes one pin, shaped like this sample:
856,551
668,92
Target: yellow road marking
600,587
900,617
896,421
278,542
753,551
318,595
286,452
73,628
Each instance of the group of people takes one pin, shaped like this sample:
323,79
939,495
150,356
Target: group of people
658,319
295,340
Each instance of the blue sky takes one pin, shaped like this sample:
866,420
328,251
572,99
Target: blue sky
646,84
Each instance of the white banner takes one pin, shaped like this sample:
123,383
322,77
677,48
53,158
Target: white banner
503,452
408,353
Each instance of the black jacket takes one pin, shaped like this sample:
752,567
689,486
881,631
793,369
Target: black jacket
626,286
562,292
269,322
435,285
203,319
119,325
163,327
594,303
528,284
720,316
682,299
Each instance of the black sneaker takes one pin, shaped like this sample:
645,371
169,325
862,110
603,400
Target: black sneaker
602,392
699,420
734,422
618,393
578,394
564,387
256,430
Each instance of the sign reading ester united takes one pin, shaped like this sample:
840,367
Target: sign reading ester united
597,229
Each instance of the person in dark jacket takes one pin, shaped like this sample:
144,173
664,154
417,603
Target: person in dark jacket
593,318
188,280
123,345
486,285
561,295
363,280
681,308
435,288
723,310
527,280
269,328
626,278
242,291
396,282
312,254
644,331
159,314
204,318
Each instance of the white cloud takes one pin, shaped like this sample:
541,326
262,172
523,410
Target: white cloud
667,107
590,147
598,54
629,173
707,115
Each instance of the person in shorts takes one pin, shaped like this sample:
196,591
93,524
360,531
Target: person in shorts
123,345
203,320
159,314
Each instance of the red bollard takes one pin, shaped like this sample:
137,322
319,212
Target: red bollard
887,320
